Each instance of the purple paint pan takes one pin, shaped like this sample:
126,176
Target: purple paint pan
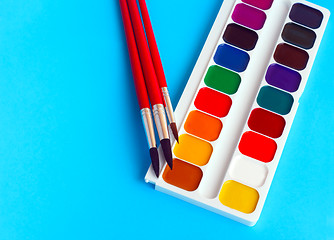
283,78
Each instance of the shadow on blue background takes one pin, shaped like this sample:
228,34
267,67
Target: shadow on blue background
73,152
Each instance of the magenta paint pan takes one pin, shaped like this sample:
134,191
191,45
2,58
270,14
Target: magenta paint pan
249,16
262,4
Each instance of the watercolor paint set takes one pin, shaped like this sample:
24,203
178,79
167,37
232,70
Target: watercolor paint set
237,109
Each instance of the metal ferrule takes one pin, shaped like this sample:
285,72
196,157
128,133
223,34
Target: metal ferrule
148,125
169,107
160,121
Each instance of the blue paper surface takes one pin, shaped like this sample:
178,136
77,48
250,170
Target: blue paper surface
73,152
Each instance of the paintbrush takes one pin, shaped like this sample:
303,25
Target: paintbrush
158,67
140,87
151,81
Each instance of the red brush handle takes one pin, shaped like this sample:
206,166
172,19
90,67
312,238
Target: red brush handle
134,58
145,55
159,71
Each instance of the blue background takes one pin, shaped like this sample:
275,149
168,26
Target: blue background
73,153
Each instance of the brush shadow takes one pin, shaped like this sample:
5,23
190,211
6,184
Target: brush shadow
189,65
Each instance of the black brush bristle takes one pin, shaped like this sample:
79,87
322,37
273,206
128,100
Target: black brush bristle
174,131
155,160
166,148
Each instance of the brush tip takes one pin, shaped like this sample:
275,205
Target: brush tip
174,131
166,148
155,160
